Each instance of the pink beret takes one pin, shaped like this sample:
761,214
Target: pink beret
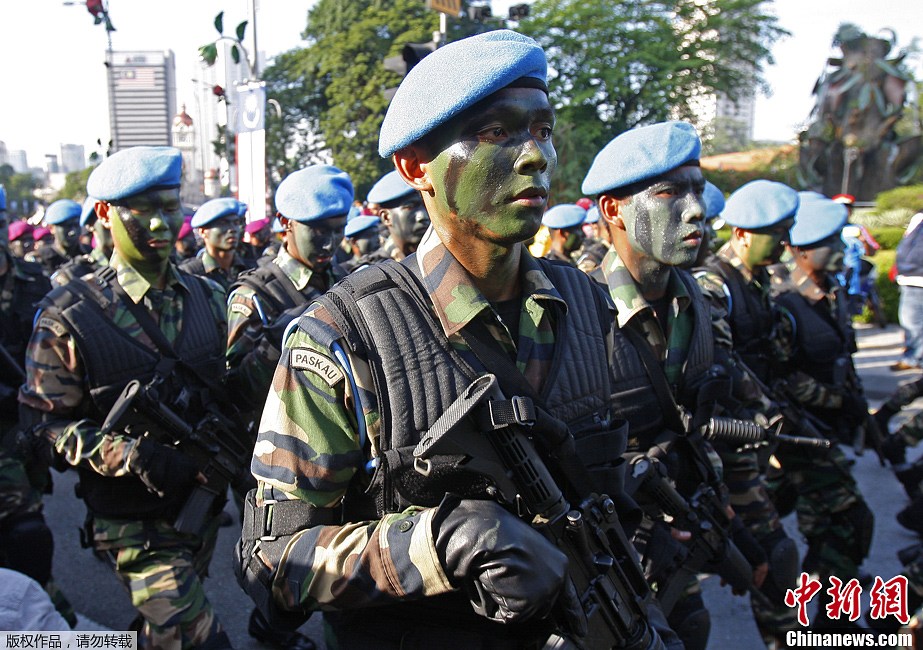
186,229
19,228
256,226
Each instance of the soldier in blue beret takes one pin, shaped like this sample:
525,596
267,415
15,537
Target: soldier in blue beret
219,225
99,253
714,205
401,210
140,318
363,237
565,226
650,198
373,364
832,514
63,219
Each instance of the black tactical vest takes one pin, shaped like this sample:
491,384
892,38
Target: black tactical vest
750,318
634,398
111,359
274,288
820,338
418,374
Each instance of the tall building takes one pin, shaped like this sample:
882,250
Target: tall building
51,164
724,123
142,98
19,161
4,154
72,158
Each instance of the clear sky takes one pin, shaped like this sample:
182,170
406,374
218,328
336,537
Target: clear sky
54,88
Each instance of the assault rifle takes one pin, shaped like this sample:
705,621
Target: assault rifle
214,442
868,434
490,432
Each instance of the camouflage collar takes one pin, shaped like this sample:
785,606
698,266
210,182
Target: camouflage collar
134,283
803,283
297,272
390,249
455,297
97,256
729,255
209,262
624,291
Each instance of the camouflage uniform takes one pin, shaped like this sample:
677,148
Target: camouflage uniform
79,266
738,470
23,479
206,266
826,494
591,254
320,438
161,568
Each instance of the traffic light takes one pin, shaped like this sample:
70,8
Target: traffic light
411,54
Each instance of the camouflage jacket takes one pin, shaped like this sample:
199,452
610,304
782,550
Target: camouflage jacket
319,431
207,266
248,315
55,377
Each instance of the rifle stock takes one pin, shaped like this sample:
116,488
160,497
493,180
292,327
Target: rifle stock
601,563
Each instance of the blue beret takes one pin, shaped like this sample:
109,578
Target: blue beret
455,77
215,209
2,198
354,212
817,219
135,170
642,153
389,187
760,204
242,209
277,225
592,215
565,215
360,223
61,211
88,212
314,193
714,200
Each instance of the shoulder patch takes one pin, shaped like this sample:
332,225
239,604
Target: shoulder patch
321,365
240,308
53,325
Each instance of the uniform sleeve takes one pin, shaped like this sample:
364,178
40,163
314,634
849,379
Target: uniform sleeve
53,391
251,362
308,448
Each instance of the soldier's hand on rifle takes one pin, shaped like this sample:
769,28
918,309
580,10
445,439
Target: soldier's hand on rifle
516,572
751,550
165,471
855,408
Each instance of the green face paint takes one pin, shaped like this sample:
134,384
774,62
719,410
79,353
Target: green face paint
223,234
408,223
313,244
664,221
575,238
493,170
767,244
825,256
67,236
145,227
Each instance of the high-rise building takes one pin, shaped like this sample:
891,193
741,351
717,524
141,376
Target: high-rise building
4,154
18,161
142,98
72,158
51,164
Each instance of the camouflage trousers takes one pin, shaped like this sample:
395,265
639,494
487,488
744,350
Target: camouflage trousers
17,498
750,499
912,430
163,571
832,514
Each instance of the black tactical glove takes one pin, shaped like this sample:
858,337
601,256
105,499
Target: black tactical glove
516,570
855,408
745,541
166,471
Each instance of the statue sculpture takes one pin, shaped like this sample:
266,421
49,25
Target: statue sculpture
851,146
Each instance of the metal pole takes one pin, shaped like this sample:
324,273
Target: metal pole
255,68
443,27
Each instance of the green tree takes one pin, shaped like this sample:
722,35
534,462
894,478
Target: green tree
19,190
617,64
75,185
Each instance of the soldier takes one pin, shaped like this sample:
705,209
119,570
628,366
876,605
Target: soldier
140,318
26,544
832,515
650,197
63,219
714,204
403,213
256,238
388,555
218,223
595,246
185,247
312,204
20,238
362,235
565,225
96,258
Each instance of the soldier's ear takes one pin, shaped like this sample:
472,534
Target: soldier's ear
103,210
413,166
385,215
742,235
610,209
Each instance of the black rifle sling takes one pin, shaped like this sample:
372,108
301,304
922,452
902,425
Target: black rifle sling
671,411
